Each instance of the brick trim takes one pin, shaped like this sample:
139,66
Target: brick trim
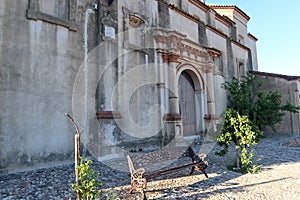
108,115
172,117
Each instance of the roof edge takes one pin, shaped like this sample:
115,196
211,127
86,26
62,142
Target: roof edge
252,37
215,6
287,77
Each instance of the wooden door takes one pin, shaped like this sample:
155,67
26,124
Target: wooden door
187,107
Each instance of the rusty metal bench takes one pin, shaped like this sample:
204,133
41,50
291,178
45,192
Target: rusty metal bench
139,177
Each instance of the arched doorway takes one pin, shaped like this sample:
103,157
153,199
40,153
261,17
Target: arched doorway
187,108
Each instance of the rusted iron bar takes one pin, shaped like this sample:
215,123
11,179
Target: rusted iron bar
168,171
77,161
77,151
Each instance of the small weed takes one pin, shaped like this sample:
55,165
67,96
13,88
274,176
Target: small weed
88,187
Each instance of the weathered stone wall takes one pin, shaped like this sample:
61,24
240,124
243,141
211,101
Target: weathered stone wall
251,43
39,61
288,89
52,62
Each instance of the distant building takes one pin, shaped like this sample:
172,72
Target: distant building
108,62
289,87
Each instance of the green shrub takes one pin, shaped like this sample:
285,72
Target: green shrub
88,187
239,130
263,109
251,111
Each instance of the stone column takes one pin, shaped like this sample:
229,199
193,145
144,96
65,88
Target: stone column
172,118
211,102
173,98
171,59
200,110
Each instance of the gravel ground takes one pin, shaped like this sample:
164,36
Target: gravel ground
278,154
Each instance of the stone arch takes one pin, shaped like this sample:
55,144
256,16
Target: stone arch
191,94
194,73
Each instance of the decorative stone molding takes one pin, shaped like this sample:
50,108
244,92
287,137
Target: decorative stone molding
172,117
135,21
168,58
213,53
34,13
210,117
170,39
173,45
108,115
135,27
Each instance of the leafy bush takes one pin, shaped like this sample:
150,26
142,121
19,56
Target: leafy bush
239,130
263,109
88,187
252,110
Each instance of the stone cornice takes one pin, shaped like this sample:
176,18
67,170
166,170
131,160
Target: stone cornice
216,31
185,14
240,45
252,37
200,5
235,8
225,20
268,74
225,36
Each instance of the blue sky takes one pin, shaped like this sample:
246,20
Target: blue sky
276,24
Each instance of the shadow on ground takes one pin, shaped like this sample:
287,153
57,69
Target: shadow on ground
268,152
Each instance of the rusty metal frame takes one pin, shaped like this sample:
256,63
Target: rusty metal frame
139,178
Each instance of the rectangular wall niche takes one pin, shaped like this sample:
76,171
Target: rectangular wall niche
60,12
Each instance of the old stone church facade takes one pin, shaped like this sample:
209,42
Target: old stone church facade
133,73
